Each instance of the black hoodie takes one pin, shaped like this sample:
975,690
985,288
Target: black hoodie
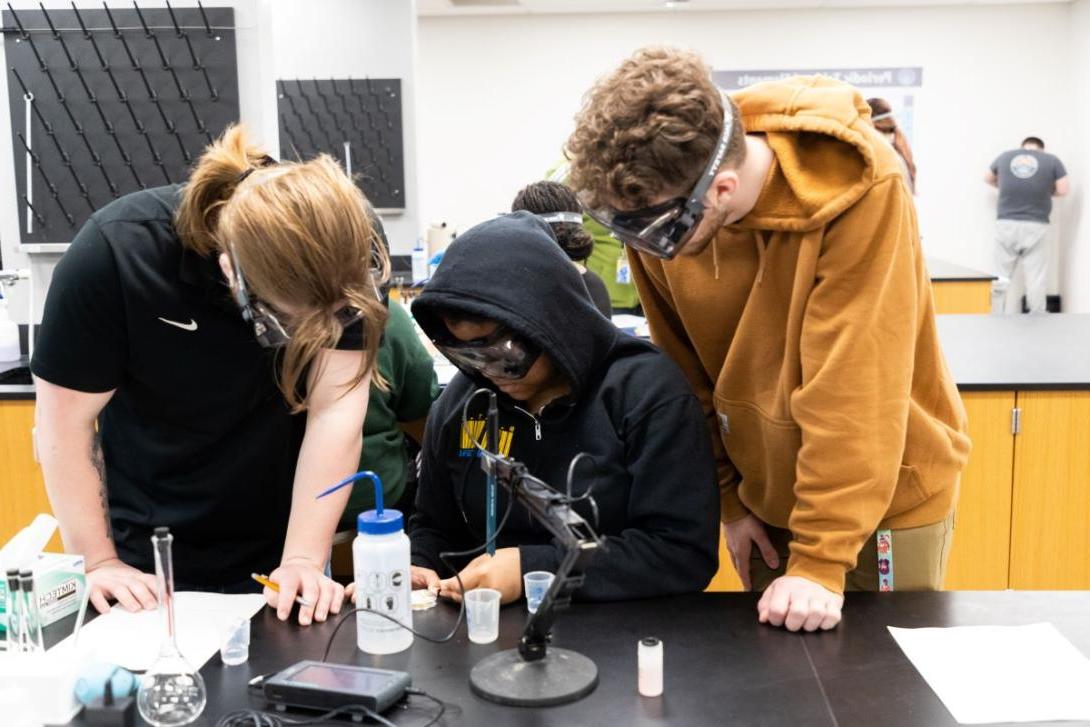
629,407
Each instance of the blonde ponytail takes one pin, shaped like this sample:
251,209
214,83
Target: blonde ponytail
214,179
303,238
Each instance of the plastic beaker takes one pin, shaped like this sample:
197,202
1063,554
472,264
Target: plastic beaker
235,642
483,615
536,584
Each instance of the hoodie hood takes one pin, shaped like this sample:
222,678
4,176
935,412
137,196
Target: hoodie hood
511,269
827,153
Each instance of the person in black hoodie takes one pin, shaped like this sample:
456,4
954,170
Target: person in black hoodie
506,303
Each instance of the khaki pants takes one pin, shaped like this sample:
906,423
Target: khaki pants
1020,241
919,559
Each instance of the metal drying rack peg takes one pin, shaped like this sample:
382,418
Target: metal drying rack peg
24,35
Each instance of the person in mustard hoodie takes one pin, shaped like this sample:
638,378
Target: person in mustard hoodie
780,265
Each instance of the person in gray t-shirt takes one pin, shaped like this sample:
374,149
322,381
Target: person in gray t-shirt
1028,178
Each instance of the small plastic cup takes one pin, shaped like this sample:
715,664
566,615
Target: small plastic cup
536,584
483,615
235,642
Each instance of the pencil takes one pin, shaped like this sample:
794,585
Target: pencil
273,585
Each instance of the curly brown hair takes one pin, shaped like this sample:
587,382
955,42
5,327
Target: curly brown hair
649,128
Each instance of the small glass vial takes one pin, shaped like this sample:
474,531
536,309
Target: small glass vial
649,661
32,619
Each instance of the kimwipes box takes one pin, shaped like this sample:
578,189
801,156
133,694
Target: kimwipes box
59,582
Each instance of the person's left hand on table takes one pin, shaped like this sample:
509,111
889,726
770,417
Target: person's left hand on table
799,603
503,571
300,576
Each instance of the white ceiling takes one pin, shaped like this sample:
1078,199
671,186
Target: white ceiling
523,7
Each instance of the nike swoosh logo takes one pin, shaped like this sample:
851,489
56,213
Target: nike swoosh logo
191,326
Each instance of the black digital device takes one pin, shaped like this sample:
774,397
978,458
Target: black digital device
318,685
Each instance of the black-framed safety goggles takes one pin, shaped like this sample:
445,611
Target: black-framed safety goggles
500,355
268,330
663,229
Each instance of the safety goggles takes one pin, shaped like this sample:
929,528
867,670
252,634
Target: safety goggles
268,330
663,229
500,355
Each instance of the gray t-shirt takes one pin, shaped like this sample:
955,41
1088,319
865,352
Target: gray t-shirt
1027,178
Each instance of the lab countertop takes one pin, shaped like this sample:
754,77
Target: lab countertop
1017,352
721,667
15,384
984,353
946,272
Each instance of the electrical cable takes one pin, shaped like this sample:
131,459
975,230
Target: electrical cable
461,610
444,557
442,705
260,718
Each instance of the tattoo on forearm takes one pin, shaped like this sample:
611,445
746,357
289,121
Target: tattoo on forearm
98,461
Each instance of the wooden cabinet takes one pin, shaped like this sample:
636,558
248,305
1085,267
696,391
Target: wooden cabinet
1050,526
1023,516
726,579
962,296
21,484
1023,520
1025,502
980,558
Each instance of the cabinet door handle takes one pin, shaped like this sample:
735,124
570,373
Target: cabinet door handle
1016,420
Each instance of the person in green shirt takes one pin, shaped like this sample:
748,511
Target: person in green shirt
608,258
408,370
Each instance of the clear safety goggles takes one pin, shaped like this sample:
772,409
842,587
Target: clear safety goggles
663,229
501,355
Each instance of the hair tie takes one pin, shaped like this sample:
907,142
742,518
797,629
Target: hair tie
265,161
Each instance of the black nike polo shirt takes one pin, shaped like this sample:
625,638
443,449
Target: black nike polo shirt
197,436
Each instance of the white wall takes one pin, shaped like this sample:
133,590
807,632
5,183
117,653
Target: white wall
357,38
274,39
497,94
1076,257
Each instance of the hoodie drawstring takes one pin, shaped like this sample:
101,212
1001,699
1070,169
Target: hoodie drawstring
762,249
715,254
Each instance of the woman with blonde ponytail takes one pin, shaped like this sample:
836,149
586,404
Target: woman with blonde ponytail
204,364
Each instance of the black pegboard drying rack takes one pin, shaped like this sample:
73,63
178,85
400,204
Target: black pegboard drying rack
357,121
108,100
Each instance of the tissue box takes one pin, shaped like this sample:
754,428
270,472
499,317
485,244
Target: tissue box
59,583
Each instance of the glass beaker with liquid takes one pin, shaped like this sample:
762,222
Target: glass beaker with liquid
172,692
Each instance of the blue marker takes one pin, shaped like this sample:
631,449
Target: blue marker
492,445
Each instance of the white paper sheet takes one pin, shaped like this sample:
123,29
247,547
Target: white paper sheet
986,674
132,640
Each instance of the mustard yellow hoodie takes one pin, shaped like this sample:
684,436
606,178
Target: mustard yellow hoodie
814,349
